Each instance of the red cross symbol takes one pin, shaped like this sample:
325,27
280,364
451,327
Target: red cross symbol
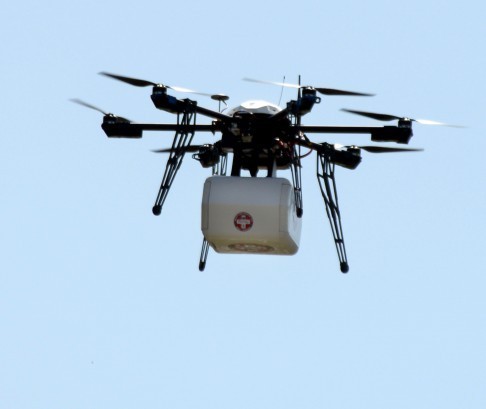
243,221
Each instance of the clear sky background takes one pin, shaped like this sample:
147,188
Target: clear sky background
101,303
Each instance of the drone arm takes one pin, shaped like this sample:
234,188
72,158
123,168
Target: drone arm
173,105
284,113
378,133
135,130
212,114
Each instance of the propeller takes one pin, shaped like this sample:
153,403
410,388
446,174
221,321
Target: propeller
348,156
191,148
208,155
90,106
143,83
326,147
324,91
386,117
384,149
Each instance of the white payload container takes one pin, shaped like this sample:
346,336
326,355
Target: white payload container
250,215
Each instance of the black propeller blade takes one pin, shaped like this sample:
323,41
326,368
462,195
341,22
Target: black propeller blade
387,117
87,105
385,149
326,147
132,81
143,83
191,148
208,155
324,91
371,148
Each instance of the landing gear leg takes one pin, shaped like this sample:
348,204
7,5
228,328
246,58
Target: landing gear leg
327,183
219,169
204,255
297,181
181,141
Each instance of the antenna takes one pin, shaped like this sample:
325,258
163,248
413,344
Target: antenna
298,92
220,98
281,91
299,95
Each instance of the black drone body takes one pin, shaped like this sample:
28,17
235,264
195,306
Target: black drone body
260,136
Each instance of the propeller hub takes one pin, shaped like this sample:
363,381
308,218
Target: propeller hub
405,123
159,89
109,119
355,150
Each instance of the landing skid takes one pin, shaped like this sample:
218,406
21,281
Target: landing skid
182,139
218,169
327,184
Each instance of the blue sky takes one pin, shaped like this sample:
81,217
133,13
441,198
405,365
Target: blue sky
101,303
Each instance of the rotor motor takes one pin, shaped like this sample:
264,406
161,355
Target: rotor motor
208,156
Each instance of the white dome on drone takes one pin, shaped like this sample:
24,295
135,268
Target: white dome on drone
256,107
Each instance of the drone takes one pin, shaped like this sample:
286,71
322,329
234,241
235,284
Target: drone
257,214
